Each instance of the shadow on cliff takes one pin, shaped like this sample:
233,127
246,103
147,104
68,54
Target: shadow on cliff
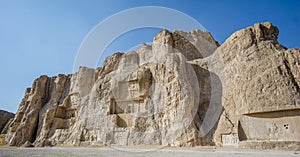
211,91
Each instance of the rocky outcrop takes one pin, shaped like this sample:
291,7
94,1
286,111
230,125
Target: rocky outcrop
182,90
5,118
260,79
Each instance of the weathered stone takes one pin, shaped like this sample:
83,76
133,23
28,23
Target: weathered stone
4,119
27,144
182,90
260,79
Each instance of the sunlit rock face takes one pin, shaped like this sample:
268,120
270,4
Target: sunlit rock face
182,90
260,80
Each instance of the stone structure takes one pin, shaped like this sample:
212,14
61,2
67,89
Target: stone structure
183,90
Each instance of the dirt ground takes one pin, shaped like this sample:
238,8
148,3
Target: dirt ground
141,151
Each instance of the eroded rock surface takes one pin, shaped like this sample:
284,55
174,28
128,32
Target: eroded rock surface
5,118
260,79
182,90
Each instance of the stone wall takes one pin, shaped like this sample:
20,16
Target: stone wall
271,126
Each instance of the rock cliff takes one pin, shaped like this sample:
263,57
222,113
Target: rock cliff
182,90
260,78
5,117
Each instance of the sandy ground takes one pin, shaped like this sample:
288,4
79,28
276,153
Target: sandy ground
140,151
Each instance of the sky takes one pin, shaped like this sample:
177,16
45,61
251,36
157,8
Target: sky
43,37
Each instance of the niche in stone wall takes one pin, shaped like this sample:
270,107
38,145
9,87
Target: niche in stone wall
270,126
124,120
114,108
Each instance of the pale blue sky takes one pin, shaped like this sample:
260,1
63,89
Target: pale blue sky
42,37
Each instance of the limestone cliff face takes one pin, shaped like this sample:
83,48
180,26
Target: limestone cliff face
183,90
260,80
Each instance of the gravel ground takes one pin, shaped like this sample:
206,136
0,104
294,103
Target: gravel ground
140,151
